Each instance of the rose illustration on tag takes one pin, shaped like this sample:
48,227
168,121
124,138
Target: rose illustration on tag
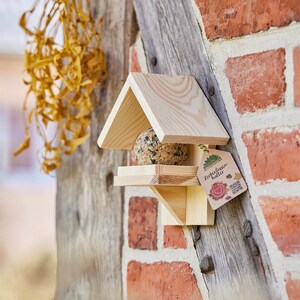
218,190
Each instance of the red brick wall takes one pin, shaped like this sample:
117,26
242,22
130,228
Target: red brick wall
259,78
258,75
231,18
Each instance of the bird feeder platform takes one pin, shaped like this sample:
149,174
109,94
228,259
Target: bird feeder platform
179,112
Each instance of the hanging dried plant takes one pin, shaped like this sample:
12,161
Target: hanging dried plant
62,76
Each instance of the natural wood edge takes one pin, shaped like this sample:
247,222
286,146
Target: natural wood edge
148,180
157,169
168,201
195,140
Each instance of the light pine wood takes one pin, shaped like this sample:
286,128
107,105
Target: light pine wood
166,218
184,205
89,210
158,170
144,180
177,109
175,106
194,155
198,209
174,199
125,122
156,175
171,34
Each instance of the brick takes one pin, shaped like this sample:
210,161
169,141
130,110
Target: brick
174,237
297,76
233,18
283,218
131,158
274,154
257,80
134,61
161,280
142,223
292,287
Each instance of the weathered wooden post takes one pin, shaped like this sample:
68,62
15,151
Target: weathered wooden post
184,53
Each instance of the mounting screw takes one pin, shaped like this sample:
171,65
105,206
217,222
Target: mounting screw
207,264
211,90
77,214
109,180
253,247
153,61
197,234
247,229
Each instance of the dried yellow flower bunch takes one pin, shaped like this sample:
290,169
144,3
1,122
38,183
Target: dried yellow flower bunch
62,77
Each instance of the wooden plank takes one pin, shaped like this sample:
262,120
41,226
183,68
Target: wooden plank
177,170
145,180
174,199
194,156
166,218
175,106
158,170
184,205
138,170
177,109
156,175
90,258
171,34
125,122
198,210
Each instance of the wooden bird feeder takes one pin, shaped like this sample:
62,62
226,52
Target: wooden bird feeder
178,111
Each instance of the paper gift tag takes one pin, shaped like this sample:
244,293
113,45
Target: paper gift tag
220,177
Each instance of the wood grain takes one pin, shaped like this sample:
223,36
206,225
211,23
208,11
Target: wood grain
145,180
125,122
180,109
175,106
171,34
166,218
198,209
178,189
174,200
156,175
158,170
184,205
89,209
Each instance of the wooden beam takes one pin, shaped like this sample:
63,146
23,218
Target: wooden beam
171,34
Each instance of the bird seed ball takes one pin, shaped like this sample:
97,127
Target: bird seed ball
149,150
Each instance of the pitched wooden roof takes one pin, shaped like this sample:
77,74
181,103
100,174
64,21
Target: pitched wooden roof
174,106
